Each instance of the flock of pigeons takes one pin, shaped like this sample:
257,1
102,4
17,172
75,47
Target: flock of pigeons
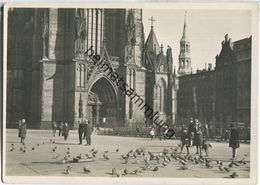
145,160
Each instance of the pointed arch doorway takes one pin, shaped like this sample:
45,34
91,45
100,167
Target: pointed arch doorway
102,103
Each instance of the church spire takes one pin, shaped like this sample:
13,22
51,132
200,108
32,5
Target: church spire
152,43
184,33
184,56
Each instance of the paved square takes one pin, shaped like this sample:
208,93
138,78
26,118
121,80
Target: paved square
43,161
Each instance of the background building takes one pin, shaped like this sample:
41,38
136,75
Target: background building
220,96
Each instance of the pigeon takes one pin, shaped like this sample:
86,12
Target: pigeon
53,142
32,148
234,175
38,144
125,162
155,168
230,165
164,163
183,168
79,156
86,171
105,156
113,171
68,148
135,172
134,155
125,156
226,169
158,159
241,161
117,150
182,162
208,165
125,171
220,168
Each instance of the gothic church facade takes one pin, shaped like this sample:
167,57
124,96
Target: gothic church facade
51,76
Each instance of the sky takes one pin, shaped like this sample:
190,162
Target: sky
205,29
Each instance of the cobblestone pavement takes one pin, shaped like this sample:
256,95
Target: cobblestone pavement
43,161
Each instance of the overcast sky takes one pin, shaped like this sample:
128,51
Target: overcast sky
206,31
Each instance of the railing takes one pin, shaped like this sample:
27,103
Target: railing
215,134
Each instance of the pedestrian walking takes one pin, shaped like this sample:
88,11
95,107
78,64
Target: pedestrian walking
54,128
152,133
89,132
185,139
85,129
60,127
198,136
80,131
23,130
65,131
233,139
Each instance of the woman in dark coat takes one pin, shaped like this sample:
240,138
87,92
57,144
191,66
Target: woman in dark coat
23,130
65,131
185,139
198,139
233,139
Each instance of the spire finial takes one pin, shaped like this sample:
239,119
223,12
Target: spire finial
152,20
161,47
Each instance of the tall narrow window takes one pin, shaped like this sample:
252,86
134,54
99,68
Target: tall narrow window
87,29
92,18
80,70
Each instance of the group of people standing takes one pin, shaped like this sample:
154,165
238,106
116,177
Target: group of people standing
85,130
197,135
194,135
63,129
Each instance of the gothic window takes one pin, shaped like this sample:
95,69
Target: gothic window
95,29
80,74
83,75
161,98
77,75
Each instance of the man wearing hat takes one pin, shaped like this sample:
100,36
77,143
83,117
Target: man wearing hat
80,131
233,139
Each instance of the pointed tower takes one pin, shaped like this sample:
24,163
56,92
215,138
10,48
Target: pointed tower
184,56
152,43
